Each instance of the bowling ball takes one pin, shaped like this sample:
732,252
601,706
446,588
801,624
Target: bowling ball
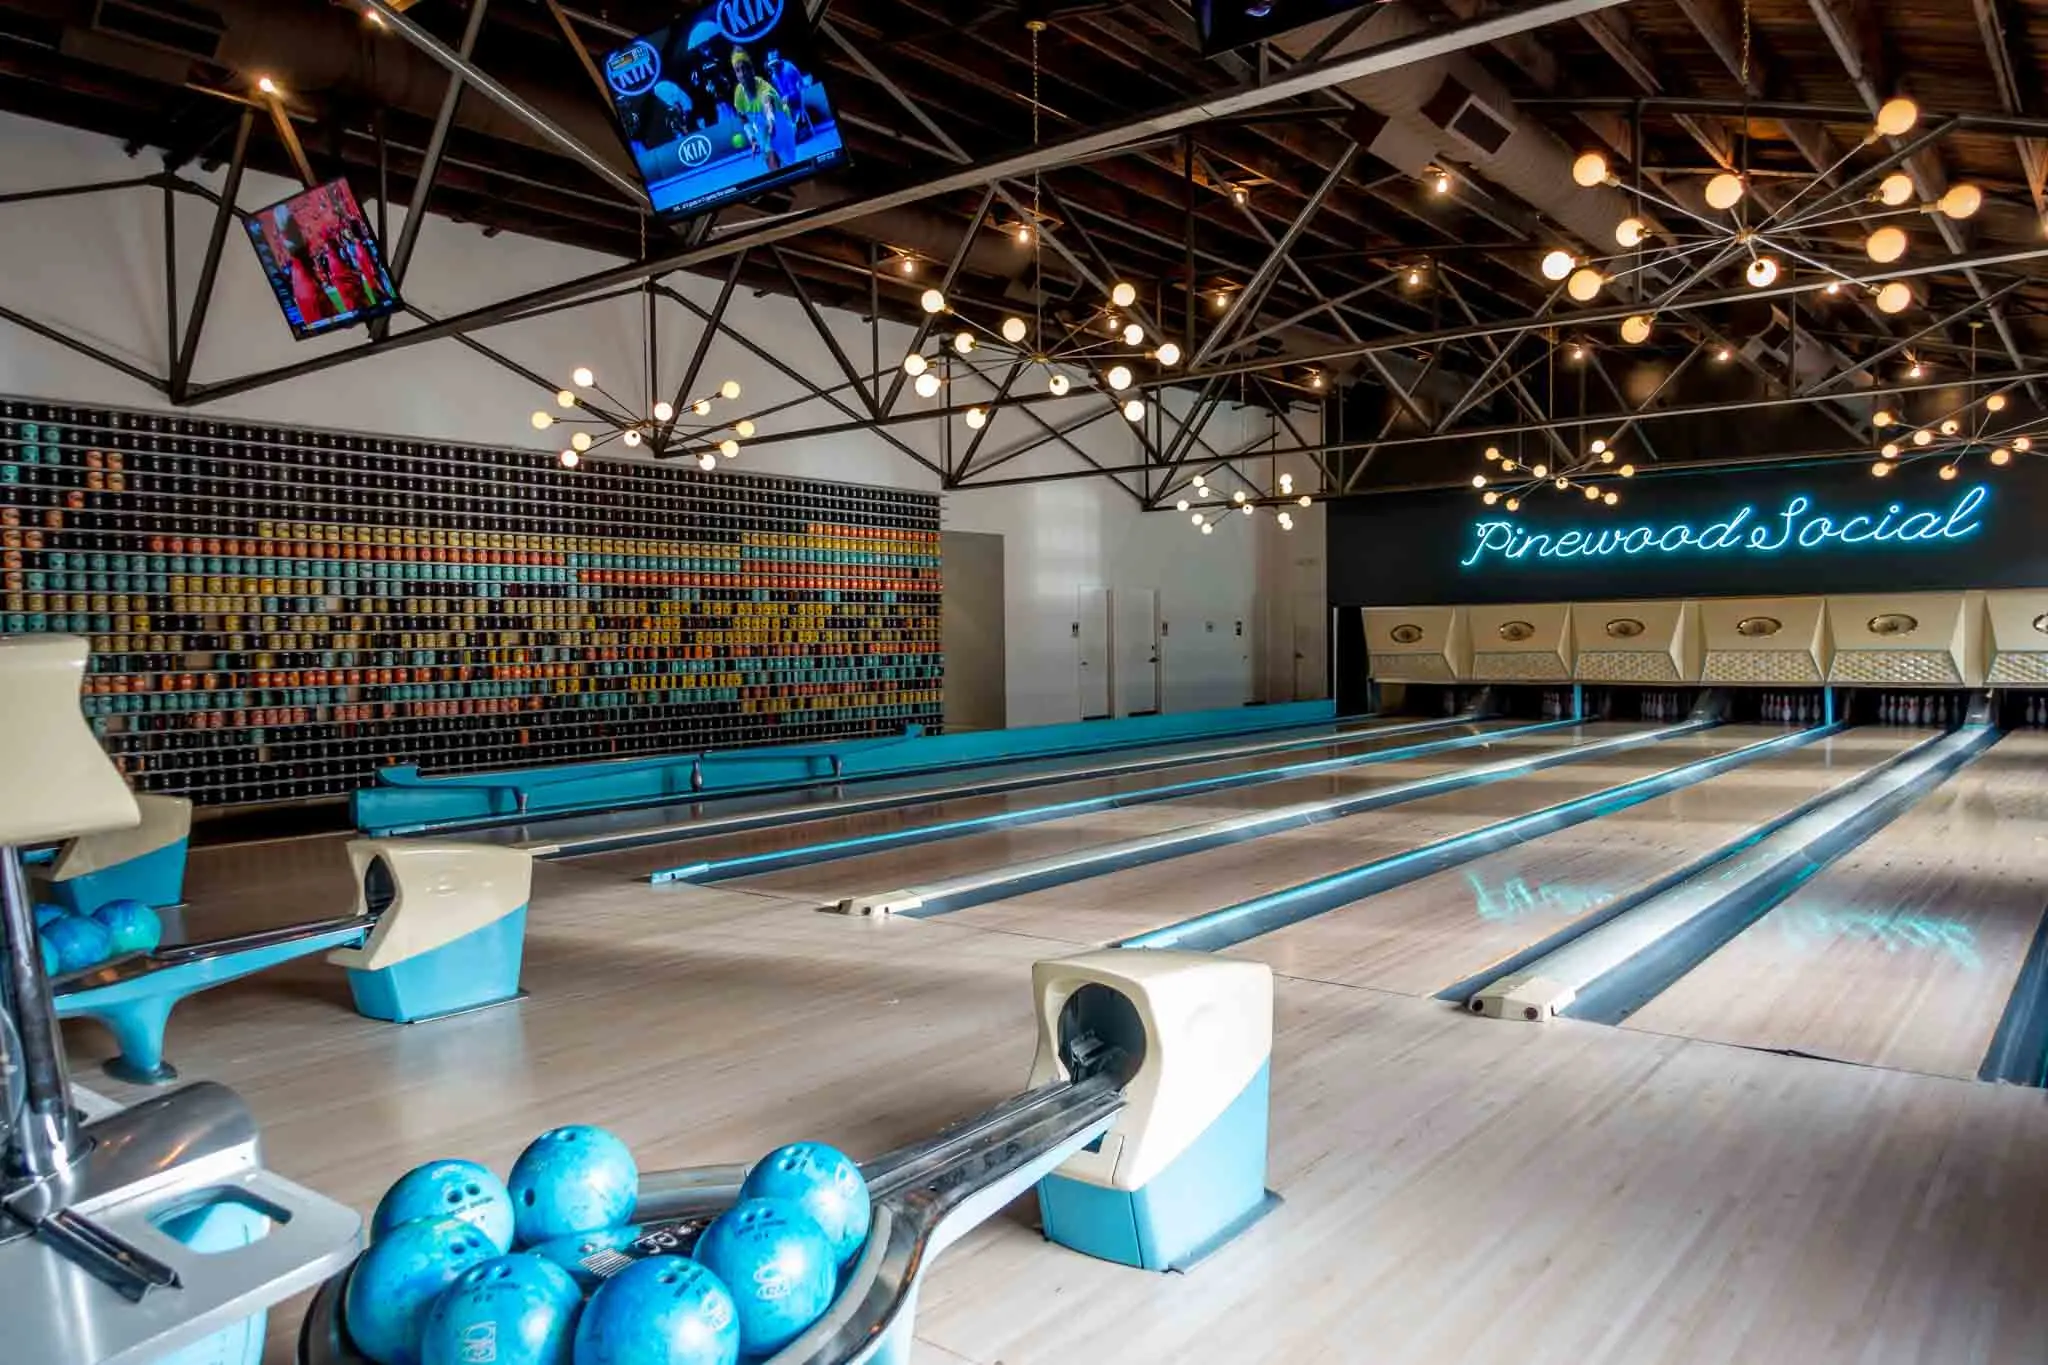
661,1311
134,926
569,1180
825,1183
80,942
49,914
779,1266
448,1189
51,963
513,1310
397,1280
570,1253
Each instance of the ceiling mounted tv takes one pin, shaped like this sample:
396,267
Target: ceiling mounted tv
323,260
1226,24
724,104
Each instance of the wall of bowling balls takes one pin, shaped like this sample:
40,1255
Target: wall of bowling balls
275,613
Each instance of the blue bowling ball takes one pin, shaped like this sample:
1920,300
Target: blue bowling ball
134,926
51,964
513,1310
49,914
448,1189
825,1183
574,1253
570,1180
80,942
779,1266
661,1311
397,1280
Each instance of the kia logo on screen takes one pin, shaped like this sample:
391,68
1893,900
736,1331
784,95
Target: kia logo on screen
749,21
696,150
633,70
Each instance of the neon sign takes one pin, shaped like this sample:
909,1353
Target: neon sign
1794,527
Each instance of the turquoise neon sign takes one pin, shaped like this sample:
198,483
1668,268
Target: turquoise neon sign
1796,526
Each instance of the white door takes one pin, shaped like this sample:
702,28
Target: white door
1137,651
1091,635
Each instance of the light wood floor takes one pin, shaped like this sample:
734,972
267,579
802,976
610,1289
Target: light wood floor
1457,1189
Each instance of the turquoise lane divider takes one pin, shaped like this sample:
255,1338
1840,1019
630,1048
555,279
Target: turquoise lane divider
755,863
1233,924
574,845
407,801
960,893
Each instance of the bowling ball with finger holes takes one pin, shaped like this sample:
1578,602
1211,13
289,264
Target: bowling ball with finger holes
570,1253
134,927
825,1183
664,1310
513,1310
47,914
570,1180
778,1264
395,1283
449,1189
51,963
80,942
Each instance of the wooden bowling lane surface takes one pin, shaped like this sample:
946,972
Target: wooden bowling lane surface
1424,936
891,869
639,862
1902,953
1101,909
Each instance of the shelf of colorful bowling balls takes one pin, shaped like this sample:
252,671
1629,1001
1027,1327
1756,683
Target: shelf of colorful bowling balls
75,943
545,1268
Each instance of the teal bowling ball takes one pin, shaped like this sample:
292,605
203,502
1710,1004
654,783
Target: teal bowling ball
779,1267
134,926
513,1310
397,1280
51,963
661,1311
825,1183
570,1180
47,914
80,942
448,1189
574,1253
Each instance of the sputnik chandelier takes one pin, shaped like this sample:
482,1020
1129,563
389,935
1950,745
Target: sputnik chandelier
1105,345
1209,508
1976,428
657,429
1508,479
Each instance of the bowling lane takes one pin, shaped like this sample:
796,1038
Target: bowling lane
1116,906
893,868
1902,953
638,862
1424,936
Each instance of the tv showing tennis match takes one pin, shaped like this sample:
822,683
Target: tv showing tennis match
1235,23
323,260
724,104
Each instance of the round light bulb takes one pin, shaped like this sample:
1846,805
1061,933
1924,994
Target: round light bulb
1995,403
1627,471
1123,295
631,438
1589,169
1181,506
583,377
569,459
580,441
1541,471
1923,437
1611,499
1558,264
565,399
932,301
266,85
1491,497
1592,493
1508,466
1762,272
1306,500
1134,335
1248,509
2023,443
1883,417
1724,191
1058,385
1880,469
1514,504
1584,284
1479,481
729,390
1492,454
1199,519
1951,427
729,448
963,342
543,420
1635,330
1015,330
1599,447
1238,496
1607,457
1169,354
977,418
663,411
1885,245
928,385
744,429
702,407
1563,482
707,462
1023,234
1948,471
1890,450
2001,456
1631,231
915,364
1895,189
1895,297
1208,529
1134,411
1896,117
1962,201
1119,377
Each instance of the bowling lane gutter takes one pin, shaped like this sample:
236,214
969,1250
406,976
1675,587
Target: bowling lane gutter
1607,972
2019,1050
1234,924
679,831
756,864
957,893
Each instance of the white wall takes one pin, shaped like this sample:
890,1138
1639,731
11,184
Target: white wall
93,268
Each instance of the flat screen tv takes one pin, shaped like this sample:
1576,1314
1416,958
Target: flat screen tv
323,260
1235,23
723,104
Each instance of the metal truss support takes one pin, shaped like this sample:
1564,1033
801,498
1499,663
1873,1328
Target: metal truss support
930,321
695,369
1019,452
824,331
170,194
1254,293
995,406
437,147
179,386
